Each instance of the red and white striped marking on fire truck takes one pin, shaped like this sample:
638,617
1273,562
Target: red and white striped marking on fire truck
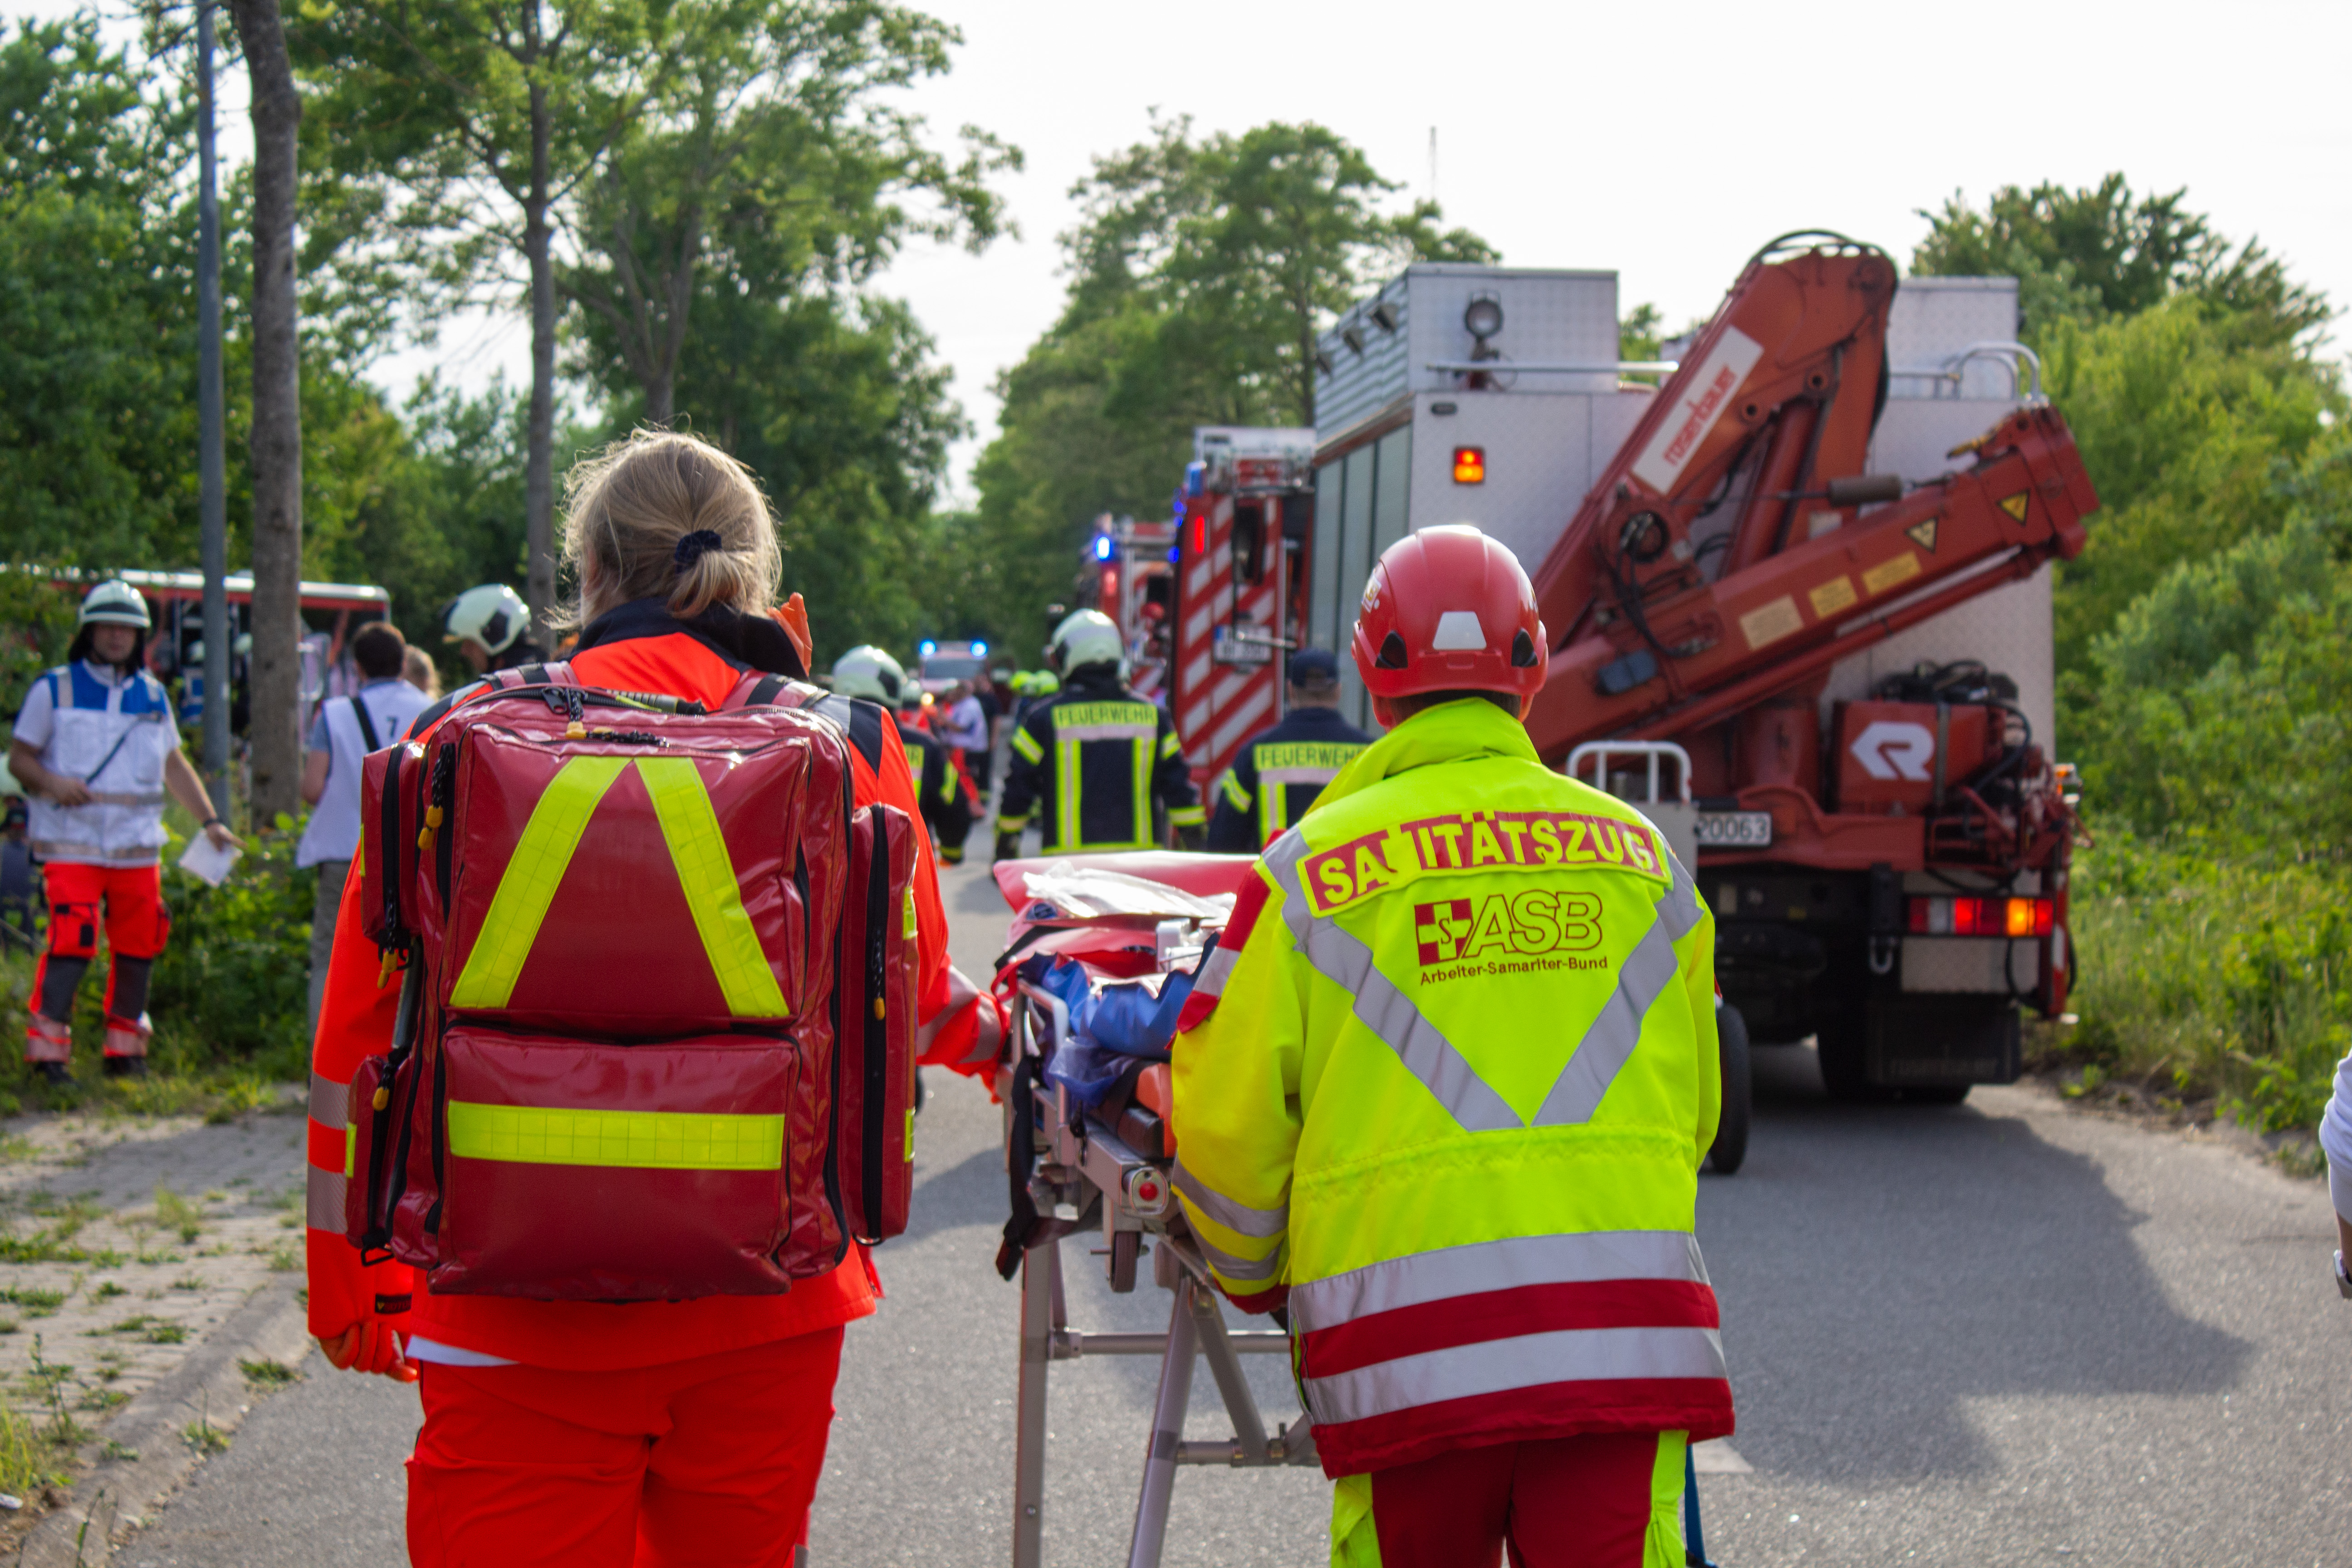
1220,705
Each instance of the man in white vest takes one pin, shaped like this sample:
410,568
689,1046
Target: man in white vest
96,745
347,729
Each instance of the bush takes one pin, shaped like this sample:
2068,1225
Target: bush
2213,976
233,987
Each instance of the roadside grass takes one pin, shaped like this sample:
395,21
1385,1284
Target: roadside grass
29,1457
2203,977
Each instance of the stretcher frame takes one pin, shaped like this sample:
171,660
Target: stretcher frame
1083,1164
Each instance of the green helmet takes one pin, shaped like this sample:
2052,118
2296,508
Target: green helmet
866,671
114,603
1086,637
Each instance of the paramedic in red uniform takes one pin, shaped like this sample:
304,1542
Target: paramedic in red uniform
96,745
597,1435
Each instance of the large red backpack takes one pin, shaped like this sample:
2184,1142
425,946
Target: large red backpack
655,1036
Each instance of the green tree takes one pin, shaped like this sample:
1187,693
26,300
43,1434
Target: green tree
2101,251
422,109
771,159
2181,427
2230,650
276,433
835,400
1200,273
96,286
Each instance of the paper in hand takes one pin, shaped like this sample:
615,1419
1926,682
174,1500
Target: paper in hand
204,859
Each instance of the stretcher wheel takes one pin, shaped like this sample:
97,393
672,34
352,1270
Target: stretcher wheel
1125,1247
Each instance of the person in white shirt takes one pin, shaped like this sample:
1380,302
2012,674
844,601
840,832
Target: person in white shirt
2335,1142
965,727
347,729
96,745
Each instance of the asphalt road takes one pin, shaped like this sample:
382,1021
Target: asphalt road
1998,1333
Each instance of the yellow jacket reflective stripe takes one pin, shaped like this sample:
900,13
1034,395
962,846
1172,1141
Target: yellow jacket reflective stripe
697,852
641,1140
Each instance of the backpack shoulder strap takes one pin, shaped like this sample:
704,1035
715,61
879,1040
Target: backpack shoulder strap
367,725
860,720
555,672
760,691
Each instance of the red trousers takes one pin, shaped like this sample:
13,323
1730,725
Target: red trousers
1607,1500
710,1462
128,902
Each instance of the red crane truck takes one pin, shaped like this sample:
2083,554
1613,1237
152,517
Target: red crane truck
1802,613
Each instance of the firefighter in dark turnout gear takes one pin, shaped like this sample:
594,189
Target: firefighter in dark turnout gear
866,671
1279,771
1093,764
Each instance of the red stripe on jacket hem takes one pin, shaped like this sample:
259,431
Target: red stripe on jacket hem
1506,1315
1699,1405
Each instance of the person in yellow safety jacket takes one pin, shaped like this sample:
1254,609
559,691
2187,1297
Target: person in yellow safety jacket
1095,762
1280,770
866,671
1442,1096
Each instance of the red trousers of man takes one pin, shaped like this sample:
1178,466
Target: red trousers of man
1609,1500
128,902
707,1461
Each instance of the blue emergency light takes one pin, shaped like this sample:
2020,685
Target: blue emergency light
980,650
1102,546
927,647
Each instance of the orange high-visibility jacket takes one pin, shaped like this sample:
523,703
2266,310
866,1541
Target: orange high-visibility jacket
639,647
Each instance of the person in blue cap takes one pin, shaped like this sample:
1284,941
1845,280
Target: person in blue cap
1279,771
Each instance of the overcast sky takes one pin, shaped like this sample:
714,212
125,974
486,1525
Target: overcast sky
1664,141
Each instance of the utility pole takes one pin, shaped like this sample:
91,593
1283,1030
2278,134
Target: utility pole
211,504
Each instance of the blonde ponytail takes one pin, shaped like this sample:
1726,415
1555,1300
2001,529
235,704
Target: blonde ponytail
669,516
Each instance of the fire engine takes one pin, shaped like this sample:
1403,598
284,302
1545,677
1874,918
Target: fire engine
1796,581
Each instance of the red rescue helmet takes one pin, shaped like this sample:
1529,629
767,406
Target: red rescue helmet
1449,609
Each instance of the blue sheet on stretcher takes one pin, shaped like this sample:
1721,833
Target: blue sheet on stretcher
1112,1025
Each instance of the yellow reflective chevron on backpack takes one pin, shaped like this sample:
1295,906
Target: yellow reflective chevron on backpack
698,853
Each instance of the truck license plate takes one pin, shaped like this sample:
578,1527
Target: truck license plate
1246,645
1735,829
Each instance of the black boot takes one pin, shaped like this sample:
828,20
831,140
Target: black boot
126,1067
55,1073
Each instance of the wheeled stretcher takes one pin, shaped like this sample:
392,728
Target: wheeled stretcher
1111,1169
1089,1169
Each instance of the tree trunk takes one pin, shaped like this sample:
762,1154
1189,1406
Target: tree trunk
538,466
277,440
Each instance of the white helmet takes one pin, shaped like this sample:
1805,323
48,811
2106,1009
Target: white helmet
114,603
1086,637
492,614
866,671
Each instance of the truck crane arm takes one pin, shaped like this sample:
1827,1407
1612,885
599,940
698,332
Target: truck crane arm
1766,427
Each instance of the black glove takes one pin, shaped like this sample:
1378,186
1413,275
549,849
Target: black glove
1192,838
1008,846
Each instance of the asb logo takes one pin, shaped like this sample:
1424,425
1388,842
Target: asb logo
1890,749
1535,920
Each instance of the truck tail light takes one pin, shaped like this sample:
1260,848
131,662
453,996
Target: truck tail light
1469,464
1200,533
1982,917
